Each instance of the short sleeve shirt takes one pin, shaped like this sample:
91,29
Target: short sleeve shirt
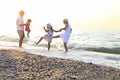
18,22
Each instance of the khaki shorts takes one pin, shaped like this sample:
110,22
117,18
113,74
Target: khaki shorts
21,33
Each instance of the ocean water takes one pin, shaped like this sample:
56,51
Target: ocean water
107,41
98,47
99,41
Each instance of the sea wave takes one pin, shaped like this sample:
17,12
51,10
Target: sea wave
106,42
9,38
114,50
105,50
95,49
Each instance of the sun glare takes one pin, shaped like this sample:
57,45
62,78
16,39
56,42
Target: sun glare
83,14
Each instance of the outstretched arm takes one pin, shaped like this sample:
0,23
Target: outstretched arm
60,29
63,28
56,30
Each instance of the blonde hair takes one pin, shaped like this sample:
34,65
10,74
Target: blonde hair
21,11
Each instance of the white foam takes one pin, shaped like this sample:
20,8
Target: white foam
81,55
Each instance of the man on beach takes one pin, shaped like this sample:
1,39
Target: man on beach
20,27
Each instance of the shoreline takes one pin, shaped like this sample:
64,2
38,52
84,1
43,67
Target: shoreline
102,59
17,65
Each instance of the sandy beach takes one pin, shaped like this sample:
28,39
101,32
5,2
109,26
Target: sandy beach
19,65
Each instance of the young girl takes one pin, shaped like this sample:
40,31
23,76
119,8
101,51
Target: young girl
27,28
48,36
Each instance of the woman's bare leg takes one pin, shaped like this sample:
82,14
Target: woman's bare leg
65,46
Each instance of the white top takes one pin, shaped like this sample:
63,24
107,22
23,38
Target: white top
50,32
48,36
18,22
68,30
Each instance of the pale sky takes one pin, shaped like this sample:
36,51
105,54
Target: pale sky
82,14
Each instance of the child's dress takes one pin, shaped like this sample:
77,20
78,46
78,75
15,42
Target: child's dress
27,28
48,36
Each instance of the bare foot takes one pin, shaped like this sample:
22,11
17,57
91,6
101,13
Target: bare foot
20,47
36,43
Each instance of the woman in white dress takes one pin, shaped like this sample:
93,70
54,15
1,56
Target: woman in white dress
66,35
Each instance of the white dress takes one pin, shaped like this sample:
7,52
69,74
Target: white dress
48,36
66,35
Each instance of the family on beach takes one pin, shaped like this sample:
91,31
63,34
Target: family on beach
49,30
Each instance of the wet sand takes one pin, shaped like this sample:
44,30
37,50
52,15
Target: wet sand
18,65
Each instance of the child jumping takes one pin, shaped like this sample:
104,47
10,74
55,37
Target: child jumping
27,28
48,36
